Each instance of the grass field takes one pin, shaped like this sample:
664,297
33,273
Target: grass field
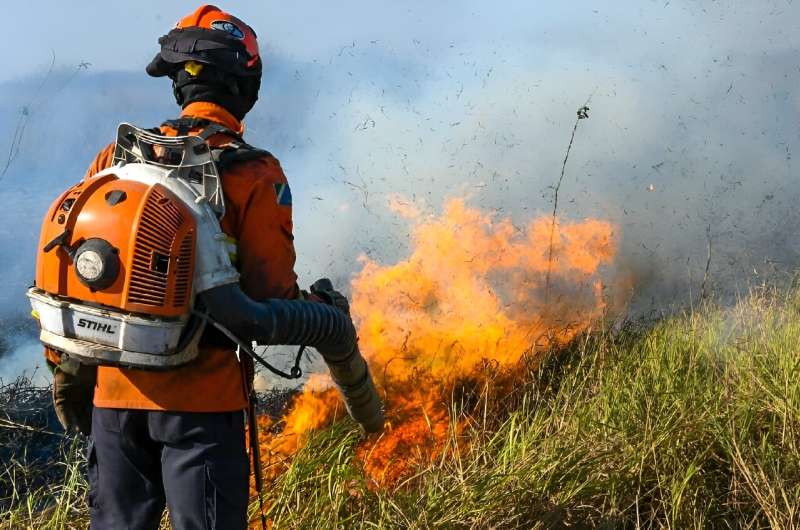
689,422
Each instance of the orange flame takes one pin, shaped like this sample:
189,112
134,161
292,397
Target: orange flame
473,288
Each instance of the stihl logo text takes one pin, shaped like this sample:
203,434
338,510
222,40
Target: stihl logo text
96,326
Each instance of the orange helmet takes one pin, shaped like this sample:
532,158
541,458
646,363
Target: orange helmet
209,36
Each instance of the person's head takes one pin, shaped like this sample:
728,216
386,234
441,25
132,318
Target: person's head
211,56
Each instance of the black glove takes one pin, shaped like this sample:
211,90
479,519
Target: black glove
73,392
323,289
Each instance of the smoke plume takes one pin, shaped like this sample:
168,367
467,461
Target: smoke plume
687,149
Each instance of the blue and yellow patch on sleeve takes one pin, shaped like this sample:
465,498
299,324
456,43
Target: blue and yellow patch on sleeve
283,193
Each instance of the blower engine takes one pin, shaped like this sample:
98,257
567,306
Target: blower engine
133,265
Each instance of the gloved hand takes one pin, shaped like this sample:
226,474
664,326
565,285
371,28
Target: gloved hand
73,392
323,289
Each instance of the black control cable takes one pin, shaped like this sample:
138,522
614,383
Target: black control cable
294,373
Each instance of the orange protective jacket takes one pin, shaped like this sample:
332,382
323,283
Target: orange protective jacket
261,225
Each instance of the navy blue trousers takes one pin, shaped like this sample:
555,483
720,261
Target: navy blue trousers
194,463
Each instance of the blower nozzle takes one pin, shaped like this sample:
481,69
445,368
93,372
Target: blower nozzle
354,381
294,322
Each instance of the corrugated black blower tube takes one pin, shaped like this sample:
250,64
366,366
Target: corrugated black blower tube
297,322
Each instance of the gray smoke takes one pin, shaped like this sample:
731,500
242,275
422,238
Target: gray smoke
688,147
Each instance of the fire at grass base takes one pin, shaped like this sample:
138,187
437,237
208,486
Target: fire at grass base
476,295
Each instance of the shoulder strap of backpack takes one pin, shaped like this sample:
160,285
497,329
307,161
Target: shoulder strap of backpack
224,156
236,152
209,128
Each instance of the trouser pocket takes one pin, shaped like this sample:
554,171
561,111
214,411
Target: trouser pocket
205,468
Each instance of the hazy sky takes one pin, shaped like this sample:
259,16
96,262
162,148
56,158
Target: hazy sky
625,32
694,118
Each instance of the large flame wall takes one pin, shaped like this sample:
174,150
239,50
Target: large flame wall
474,287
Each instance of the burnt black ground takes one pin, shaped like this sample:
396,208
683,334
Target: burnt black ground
32,443
34,447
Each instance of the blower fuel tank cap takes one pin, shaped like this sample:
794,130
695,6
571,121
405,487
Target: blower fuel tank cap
89,265
96,264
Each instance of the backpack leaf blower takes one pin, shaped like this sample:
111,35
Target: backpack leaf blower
133,265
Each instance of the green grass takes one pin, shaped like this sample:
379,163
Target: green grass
55,506
692,422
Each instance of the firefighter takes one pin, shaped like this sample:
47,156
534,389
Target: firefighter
177,438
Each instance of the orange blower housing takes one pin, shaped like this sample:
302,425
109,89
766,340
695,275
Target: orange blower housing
123,254
150,232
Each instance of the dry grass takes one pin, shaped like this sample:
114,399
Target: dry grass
692,422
